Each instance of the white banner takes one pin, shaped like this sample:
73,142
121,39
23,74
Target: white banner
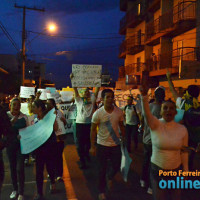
24,108
66,95
43,95
86,75
69,112
25,92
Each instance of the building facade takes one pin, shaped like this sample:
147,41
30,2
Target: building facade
160,35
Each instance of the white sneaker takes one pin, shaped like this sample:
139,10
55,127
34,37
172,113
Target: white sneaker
20,197
142,183
102,196
150,191
13,195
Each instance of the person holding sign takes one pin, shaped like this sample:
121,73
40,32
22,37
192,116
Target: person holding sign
60,134
85,109
168,138
16,159
45,154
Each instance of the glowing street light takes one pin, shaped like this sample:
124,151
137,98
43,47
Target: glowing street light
52,27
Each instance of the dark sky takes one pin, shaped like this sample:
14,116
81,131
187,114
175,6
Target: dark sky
87,34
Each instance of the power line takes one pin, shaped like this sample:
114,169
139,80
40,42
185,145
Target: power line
9,37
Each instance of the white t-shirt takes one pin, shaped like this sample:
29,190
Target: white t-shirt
179,102
61,127
167,140
108,124
84,111
132,117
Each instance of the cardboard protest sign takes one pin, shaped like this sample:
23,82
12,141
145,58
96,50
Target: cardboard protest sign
69,111
25,92
24,108
86,75
51,90
66,95
43,95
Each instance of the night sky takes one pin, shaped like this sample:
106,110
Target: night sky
87,34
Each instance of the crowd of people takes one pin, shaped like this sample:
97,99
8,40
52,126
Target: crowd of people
100,131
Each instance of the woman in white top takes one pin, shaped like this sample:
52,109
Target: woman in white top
168,138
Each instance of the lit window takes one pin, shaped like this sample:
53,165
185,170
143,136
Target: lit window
139,9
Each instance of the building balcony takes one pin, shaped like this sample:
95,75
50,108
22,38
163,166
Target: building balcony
134,68
122,50
130,20
159,64
132,45
172,23
185,54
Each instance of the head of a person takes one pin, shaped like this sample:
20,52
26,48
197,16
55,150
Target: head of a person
32,98
15,106
51,104
159,94
38,107
193,90
129,100
107,96
86,93
168,110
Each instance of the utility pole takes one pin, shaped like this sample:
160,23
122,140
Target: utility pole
24,37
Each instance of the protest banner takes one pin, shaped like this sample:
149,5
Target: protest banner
25,92
66,95
86,75
24,108
34,136
43,95
52,90
69,111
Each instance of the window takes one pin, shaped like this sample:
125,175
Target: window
139,7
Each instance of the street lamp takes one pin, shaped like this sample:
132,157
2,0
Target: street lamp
52,27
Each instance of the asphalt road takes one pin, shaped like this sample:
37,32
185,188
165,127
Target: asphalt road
82,184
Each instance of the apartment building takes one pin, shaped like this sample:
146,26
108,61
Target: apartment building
160,35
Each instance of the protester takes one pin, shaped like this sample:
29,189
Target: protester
85,109
155,109
45,154
168,138
132,119
108,119
6,136
16,159
188,102
60,136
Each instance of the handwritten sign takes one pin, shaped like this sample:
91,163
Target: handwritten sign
86,75
43,95
51,90
34,136
69,112
25,92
